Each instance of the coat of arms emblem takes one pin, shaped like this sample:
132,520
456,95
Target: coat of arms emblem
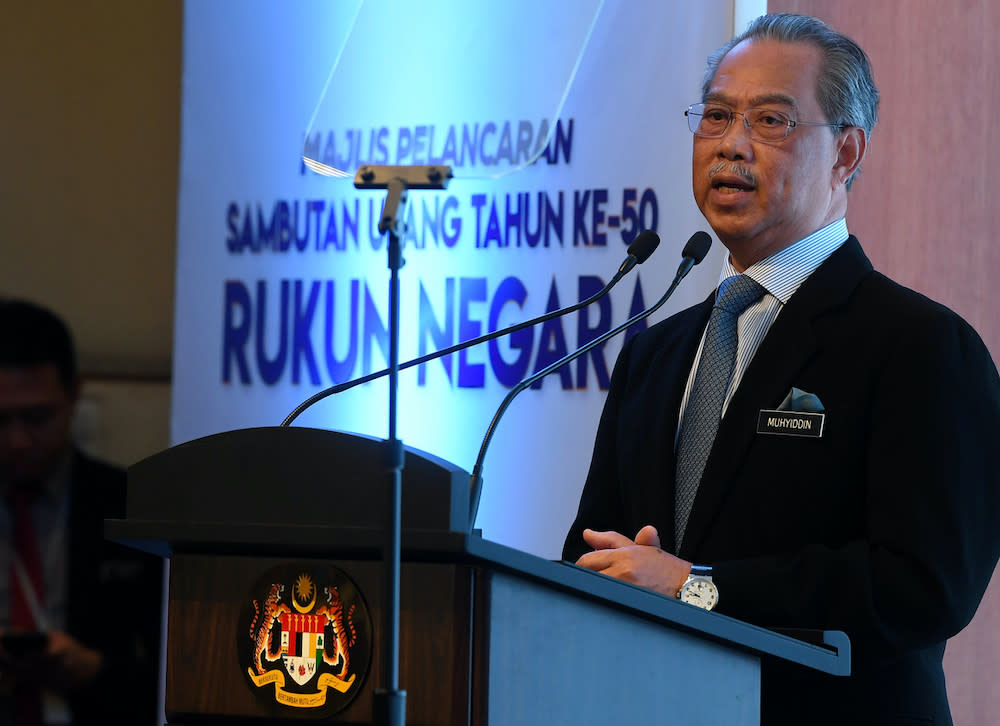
308,633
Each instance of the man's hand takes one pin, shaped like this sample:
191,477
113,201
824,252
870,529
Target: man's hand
77,666
64,665
639,561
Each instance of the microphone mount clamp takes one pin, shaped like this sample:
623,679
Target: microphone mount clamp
397,180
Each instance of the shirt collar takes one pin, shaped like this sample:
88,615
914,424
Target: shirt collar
782,273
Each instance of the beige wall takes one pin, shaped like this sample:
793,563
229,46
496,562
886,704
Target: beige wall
922,209
88,171
88,187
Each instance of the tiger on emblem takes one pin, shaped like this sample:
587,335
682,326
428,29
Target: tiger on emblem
260,627
334,613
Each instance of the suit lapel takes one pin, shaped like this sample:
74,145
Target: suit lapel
788,346
85,538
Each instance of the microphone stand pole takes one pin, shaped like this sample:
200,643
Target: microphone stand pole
389,700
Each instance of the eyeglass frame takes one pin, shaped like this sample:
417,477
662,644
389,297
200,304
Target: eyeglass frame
31,418
733,113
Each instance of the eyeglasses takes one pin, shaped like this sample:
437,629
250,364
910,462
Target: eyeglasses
762,124
31,417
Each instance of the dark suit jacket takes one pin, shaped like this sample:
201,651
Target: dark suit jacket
115,596
886,527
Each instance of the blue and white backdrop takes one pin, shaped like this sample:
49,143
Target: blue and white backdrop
282,282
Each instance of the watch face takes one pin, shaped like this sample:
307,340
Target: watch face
701,592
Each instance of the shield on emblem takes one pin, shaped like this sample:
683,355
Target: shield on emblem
300,669
302,646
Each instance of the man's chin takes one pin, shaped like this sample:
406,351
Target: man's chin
730,225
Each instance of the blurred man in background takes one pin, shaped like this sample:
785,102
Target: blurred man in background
80,616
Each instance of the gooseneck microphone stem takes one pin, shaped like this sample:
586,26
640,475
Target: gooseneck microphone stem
640,249
693,253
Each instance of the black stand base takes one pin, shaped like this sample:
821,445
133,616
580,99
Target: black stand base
390,707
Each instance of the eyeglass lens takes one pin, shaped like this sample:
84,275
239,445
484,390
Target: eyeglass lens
763,123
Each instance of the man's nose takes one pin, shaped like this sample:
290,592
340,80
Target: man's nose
14,434
735,142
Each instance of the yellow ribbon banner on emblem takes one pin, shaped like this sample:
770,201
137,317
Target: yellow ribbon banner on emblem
301,700
330,681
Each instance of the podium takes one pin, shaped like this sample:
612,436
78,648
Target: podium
276,595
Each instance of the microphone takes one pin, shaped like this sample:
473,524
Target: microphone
693,253
638,252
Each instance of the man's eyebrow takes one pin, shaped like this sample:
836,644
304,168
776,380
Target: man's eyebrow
765,99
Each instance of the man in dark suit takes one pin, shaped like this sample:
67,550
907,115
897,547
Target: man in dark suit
829,462
80,617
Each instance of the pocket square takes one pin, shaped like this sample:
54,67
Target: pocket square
801,401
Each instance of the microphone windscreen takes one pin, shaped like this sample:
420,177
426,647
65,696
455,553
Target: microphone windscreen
643,245
697,247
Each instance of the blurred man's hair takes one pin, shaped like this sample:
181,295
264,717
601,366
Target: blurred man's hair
32,336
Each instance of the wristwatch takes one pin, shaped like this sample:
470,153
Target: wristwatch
699,589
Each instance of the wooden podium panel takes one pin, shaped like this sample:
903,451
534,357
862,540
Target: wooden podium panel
206,679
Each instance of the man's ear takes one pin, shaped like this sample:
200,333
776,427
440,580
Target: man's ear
851,148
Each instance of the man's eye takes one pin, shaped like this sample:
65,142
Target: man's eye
38,415
716,114
772,119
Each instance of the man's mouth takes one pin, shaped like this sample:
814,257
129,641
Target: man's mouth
731,185
729,178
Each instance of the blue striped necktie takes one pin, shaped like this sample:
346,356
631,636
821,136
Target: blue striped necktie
704,410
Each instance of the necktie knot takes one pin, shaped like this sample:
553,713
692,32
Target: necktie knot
737,293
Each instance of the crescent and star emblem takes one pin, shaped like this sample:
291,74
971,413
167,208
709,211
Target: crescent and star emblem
304,589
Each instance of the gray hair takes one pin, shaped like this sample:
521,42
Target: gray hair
845,90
